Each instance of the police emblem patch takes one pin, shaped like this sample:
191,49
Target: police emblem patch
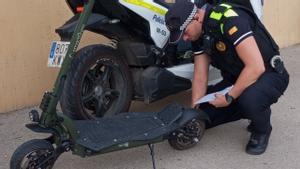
220,46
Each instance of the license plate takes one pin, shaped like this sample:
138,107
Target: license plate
57,54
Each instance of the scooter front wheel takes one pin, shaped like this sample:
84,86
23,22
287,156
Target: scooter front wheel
188,136
33,154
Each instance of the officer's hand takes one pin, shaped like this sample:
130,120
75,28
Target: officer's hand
220,101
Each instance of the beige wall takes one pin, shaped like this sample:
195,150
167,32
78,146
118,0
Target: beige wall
282,19
27,28
26,31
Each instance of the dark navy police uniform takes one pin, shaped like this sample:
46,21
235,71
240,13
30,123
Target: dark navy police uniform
225,27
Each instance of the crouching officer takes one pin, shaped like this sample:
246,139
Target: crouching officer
232,39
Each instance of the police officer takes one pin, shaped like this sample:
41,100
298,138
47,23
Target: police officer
232,39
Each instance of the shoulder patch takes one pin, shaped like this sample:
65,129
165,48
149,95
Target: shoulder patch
221,46
232,30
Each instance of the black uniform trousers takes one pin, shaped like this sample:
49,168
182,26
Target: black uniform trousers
253,104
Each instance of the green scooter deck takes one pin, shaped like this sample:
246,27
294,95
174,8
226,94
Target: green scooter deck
127,127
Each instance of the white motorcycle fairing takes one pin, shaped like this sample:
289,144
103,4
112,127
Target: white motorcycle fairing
155,15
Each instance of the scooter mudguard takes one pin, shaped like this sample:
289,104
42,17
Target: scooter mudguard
126,128
192,113
38,129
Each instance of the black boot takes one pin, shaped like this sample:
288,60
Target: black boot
250,127
258,143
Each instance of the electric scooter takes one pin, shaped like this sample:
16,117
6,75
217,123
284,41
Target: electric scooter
182,127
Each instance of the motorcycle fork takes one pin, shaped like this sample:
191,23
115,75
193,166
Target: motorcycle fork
49,117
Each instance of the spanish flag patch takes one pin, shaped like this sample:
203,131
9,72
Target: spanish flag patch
232,30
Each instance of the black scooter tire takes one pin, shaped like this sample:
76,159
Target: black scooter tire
71,101
179,143
33,146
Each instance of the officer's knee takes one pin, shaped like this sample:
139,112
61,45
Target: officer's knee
249,103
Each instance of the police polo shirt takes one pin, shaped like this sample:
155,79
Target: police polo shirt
235,30
236,27
221,48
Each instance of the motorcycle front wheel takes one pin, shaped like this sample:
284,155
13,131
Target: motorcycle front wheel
98,84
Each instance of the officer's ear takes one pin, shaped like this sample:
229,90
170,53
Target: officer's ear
198,17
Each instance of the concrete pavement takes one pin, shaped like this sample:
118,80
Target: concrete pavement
221,147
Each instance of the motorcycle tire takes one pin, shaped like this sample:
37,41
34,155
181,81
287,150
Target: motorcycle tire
33,154
98,84
188,136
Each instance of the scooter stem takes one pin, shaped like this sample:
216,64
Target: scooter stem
48,105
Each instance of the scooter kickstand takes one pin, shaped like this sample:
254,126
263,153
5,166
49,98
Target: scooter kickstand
151,147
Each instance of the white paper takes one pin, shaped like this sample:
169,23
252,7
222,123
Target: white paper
211,96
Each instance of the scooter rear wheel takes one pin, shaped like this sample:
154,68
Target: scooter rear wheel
32,155
188,136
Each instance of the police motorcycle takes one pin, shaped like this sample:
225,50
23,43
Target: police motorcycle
100,80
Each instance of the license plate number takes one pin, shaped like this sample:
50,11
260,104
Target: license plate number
57,54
